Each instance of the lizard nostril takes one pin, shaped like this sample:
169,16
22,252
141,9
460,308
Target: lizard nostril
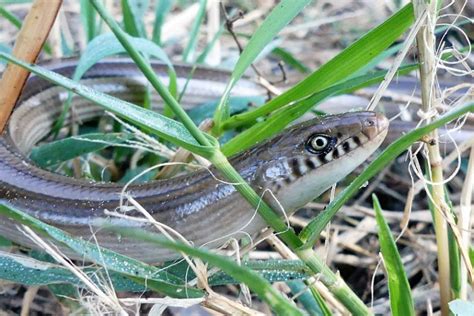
375,125
370,128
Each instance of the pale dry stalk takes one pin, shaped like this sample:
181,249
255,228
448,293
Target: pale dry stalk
427,59
28,298
222,304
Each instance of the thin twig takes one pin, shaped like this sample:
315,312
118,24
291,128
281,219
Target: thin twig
229,23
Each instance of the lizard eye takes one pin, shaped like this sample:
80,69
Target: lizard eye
318,144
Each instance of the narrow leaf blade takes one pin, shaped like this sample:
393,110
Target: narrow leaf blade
401,299
62,150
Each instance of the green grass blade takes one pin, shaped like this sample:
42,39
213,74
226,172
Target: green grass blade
280,119
133,13
107,45
269,275
32,271
89,20
454,265
200,60
278,18
67,48
326,311
253,280
453,248
236,105
149,121
163,7
190,49
401,299
305,297
290,60
268,49
344,64
312,231
10,17
67,295
203,55
139,271
273,270
29,271
68,148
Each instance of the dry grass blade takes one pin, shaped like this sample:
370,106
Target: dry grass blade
31,38
28,300
396,64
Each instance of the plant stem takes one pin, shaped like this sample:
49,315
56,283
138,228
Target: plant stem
333,282
426,49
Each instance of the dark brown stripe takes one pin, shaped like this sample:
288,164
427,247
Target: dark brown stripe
322,159
295,166
357,140
310,164
346,146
